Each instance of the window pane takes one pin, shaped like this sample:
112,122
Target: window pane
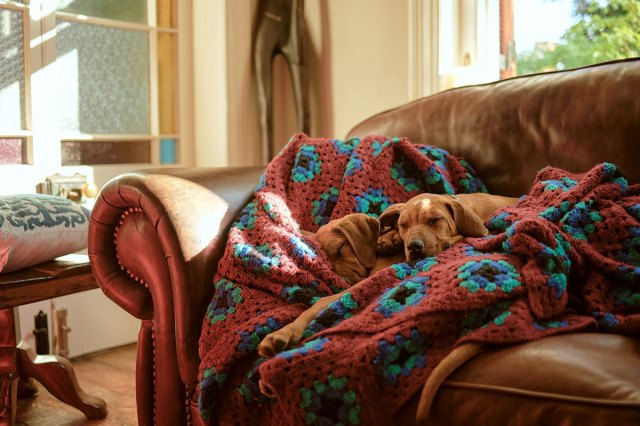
12,150
12,111
166,15
166,82
121,10
99,152
561,34
167,151
104,76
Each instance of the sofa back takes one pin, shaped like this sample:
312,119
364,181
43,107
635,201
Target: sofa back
510,129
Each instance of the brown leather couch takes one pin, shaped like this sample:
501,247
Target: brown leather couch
155,238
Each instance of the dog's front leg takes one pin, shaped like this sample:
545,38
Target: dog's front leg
451,241
291,334
389,243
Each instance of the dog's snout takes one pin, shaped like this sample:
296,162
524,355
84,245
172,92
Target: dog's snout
415,246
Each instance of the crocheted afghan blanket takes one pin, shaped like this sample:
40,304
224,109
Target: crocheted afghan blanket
564,259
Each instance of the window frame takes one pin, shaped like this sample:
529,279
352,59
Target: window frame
42,144
25,133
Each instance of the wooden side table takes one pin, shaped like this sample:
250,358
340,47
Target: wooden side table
62,276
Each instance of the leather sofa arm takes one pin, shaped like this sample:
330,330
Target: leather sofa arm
155,238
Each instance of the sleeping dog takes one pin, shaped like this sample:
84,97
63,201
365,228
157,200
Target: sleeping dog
422,227
350,244
429,223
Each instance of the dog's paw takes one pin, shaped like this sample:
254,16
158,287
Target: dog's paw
271,345
279,340
389,243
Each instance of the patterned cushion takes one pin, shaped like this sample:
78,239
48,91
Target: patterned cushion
35,228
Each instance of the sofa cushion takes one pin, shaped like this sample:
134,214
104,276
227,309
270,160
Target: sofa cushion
35,228
577,379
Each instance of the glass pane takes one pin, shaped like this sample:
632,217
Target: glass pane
166,82
167,151
121,10
166,13
562,34
104,76
12,150
12,111
98,152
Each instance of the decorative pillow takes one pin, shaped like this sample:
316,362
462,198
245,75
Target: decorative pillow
35,228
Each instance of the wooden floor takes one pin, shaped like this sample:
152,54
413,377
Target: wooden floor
108,375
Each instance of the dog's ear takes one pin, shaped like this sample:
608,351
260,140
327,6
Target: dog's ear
389,217
332,246
468,223
361,232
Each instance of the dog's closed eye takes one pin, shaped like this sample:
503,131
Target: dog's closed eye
434,220
341,250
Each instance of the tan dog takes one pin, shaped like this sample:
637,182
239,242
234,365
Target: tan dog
419,228
430,223
350,244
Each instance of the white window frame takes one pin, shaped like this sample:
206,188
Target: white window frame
42,132
469,42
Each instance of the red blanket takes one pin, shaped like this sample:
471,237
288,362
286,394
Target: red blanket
564,259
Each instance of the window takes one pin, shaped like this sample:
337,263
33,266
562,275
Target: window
468,37
88,82
15,138
558,34
483,40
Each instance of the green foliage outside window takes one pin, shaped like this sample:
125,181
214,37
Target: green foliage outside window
606,30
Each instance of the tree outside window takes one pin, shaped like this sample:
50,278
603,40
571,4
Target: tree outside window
604,31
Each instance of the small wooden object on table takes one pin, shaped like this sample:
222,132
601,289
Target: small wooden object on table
62,276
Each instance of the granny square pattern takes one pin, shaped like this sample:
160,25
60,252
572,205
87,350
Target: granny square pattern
565,258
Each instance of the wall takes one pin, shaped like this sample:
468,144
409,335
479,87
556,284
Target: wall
359,57
363,56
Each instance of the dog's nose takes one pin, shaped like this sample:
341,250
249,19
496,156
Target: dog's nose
416,246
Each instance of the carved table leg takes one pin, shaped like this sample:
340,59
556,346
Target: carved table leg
8,399
27,387
57,375
8,368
